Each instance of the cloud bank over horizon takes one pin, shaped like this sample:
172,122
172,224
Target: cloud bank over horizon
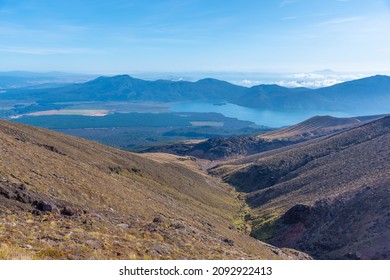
316,79
309,80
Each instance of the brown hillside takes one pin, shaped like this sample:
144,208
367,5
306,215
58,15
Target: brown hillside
314,127
68,198
328,197
234,147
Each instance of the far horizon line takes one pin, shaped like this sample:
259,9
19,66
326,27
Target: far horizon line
312,80
131,72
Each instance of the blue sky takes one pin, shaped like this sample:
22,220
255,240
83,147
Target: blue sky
119,36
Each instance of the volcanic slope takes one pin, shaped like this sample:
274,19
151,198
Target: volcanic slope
329,197
315,127
66,198
233,147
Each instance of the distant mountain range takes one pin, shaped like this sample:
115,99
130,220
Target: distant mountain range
126,88
362,95
370,94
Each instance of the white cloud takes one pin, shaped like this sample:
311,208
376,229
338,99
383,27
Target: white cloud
306,76
160,40
309,80
316,80
48,51
341,20
248,83
310,84
334,75
290,18
286,2
306,16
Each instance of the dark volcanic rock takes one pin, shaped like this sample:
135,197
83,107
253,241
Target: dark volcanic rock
44,206
228,241
22,187
23,197
7,193
68,211
152,227
298,213
158,219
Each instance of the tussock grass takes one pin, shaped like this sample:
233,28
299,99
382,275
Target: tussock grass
11,252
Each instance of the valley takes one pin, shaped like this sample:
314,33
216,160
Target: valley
328,197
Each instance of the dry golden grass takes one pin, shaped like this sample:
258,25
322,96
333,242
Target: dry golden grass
10,252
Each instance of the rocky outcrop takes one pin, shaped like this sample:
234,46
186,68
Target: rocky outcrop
20,196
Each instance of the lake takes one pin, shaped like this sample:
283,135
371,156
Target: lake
261,117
